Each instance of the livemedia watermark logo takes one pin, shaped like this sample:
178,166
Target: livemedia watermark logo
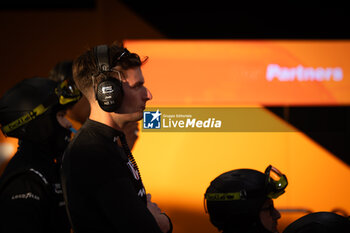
211,120
152,119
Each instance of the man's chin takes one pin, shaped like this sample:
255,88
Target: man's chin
272,229
275,229
137,116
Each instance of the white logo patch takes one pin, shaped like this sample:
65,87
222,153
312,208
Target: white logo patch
141,192
133,170
25,196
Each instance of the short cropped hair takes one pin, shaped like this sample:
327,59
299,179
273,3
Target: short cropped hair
85,67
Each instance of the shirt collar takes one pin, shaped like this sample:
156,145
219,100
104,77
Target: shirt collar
103,129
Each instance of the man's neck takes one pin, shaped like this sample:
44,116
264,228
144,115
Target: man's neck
97,114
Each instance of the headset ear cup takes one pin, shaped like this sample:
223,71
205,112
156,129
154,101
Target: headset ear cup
110,94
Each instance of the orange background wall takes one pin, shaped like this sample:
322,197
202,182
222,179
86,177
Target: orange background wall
176,167
226,72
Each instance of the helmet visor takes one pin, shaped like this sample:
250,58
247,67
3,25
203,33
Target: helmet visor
67,93
275,181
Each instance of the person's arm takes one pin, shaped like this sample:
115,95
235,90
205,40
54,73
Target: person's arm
162,219
24,206
124,208
112,186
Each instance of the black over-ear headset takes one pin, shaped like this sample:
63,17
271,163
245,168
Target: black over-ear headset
109,92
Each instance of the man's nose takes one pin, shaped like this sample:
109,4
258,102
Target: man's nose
277,214
148,94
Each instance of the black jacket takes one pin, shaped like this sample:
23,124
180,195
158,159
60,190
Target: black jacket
31,197
104,191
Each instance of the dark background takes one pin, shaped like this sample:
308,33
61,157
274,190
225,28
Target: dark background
222,19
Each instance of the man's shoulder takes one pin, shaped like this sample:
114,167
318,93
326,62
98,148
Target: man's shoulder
89,142
86,137
29,184
83,144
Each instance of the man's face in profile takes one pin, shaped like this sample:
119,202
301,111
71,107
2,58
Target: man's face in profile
135,94
269,216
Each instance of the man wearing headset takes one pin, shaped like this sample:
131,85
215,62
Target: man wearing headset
80,111
101,181
31,197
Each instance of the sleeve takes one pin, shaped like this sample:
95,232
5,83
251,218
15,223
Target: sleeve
119,201
24,205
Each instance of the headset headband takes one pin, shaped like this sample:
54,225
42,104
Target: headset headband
102,58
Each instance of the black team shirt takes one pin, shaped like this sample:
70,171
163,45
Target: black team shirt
31,199
103,188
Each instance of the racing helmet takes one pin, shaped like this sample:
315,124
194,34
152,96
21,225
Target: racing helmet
26,109
320,222
235,198
62,71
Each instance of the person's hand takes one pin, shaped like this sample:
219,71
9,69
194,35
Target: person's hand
161,218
